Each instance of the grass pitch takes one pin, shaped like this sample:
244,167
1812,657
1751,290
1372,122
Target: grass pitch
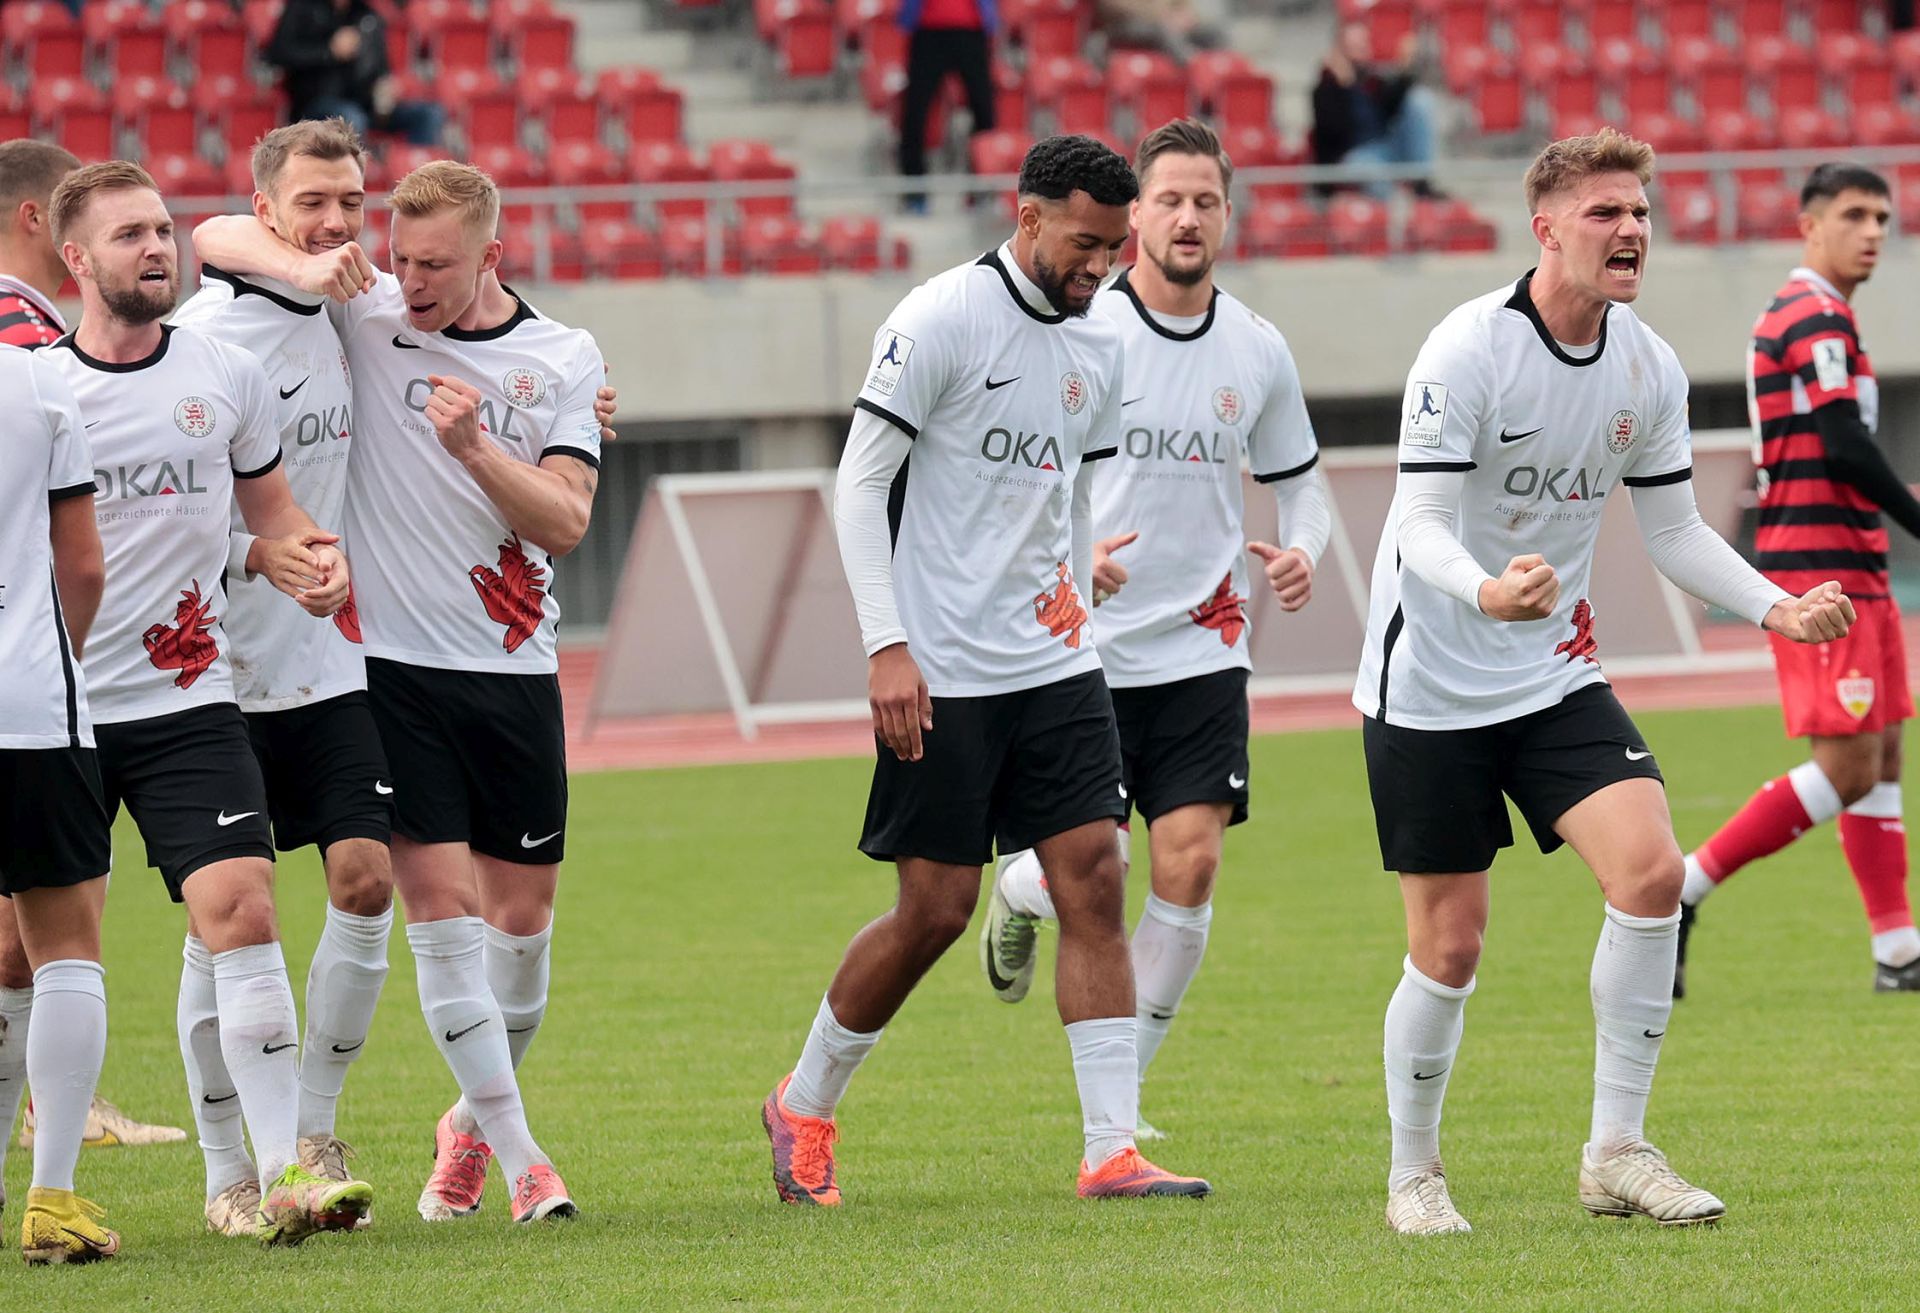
702,911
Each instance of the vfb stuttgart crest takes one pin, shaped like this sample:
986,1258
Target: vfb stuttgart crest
1621,431
524,388
1227,405
194,417
1855,691
1073,392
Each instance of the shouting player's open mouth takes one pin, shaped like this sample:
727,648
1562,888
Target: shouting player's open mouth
1624,263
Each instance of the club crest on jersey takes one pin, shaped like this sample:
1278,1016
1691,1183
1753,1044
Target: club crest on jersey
524,388
1227,405
1855,691
1426,414
194,417
1073,392
1622,429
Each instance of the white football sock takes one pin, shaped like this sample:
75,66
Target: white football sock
216,1104
1106,1068
343,988
63,1062
1024,885
1425,1020
1815,791
1896,947
827,1062
467,1029
16,1011
517,968
1632,999
260,1039
1167,947
1698,883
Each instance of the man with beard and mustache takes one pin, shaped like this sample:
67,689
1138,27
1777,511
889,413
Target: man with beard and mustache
181,427
1208,382
1824,485
30,269
964,516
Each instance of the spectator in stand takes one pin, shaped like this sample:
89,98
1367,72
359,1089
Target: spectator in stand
1371,112
1179,27
334,54
945,37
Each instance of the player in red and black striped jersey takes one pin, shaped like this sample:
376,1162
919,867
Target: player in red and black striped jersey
1824,487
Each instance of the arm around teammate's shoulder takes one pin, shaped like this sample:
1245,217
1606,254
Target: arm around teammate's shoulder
241,244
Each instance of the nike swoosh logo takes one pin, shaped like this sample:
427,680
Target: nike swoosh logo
1123,790
1515,437
528,842
523,1030
89,424
405,345
350,1048
1161,1016
999,982
453,1035
208,1098
224,820
1637,756
991,385
382,787
1431,1075
277,1048
288,392
1652,1034
1236,782
1125,404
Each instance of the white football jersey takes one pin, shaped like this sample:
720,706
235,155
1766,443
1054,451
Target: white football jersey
1003,401
1200,400
282,656
440,578
1544,435
169,435
43,699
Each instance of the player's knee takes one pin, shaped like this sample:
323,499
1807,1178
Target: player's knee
1187,880
1452,958
360,879
15,972
1654,887
1853,778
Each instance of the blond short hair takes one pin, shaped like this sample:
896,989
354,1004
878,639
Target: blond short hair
1572,160
320,139
449,185
1183,137
74,195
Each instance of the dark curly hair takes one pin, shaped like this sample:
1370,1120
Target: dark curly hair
1057,167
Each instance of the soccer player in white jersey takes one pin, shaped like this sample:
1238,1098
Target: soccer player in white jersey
182,426
30,268
54,843
1524,412
963,511
299,678
476,470
1209,385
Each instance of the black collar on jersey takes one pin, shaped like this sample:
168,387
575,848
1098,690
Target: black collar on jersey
241,287
131,366
1123,284
521,314
1522,300
992,260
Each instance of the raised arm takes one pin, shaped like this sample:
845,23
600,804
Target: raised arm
241,244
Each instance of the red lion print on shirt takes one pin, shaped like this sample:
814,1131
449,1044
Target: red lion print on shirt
514,595
186,645
1225,612
1583,643
1060,611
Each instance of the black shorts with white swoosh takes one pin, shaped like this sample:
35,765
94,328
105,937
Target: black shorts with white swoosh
1184,743
192,785
326,773
478,758
1437,793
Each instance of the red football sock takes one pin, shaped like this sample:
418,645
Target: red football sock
1773,818
1876,848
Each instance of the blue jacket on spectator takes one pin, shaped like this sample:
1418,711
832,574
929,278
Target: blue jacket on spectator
989,15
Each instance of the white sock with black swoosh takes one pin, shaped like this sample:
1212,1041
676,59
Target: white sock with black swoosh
260,1039
343,988
518,967
216,1104
1167,947
1632,999
468,1030
1424,1022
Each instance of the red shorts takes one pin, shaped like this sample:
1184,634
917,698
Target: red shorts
1854,685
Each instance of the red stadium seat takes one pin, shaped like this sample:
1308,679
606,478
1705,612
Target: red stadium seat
485,117
1753,18
186,176
1045,28
1690,214
1532,23
570,116
52,52
662,163
24,21
1830,18
752,161
506,17
883,63
241,125
1675,19
850,17
1769,212
1562,80
1462,66
997,152
1810,128
1231,89
1669,134
1009,97
126,36
1859,67
1388,23
1461,23
1073,90
260,17
620,248
74,112
1640,76
511,166
1286,230
647,108
1884,125
206,36
1715,76
159,113
806,44
1448,225
15,119
776,244
683,245
851,241
457,43
1788,70
237,176
1358,224
1498,104
544,41
1735,129
1149,87
1905,48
